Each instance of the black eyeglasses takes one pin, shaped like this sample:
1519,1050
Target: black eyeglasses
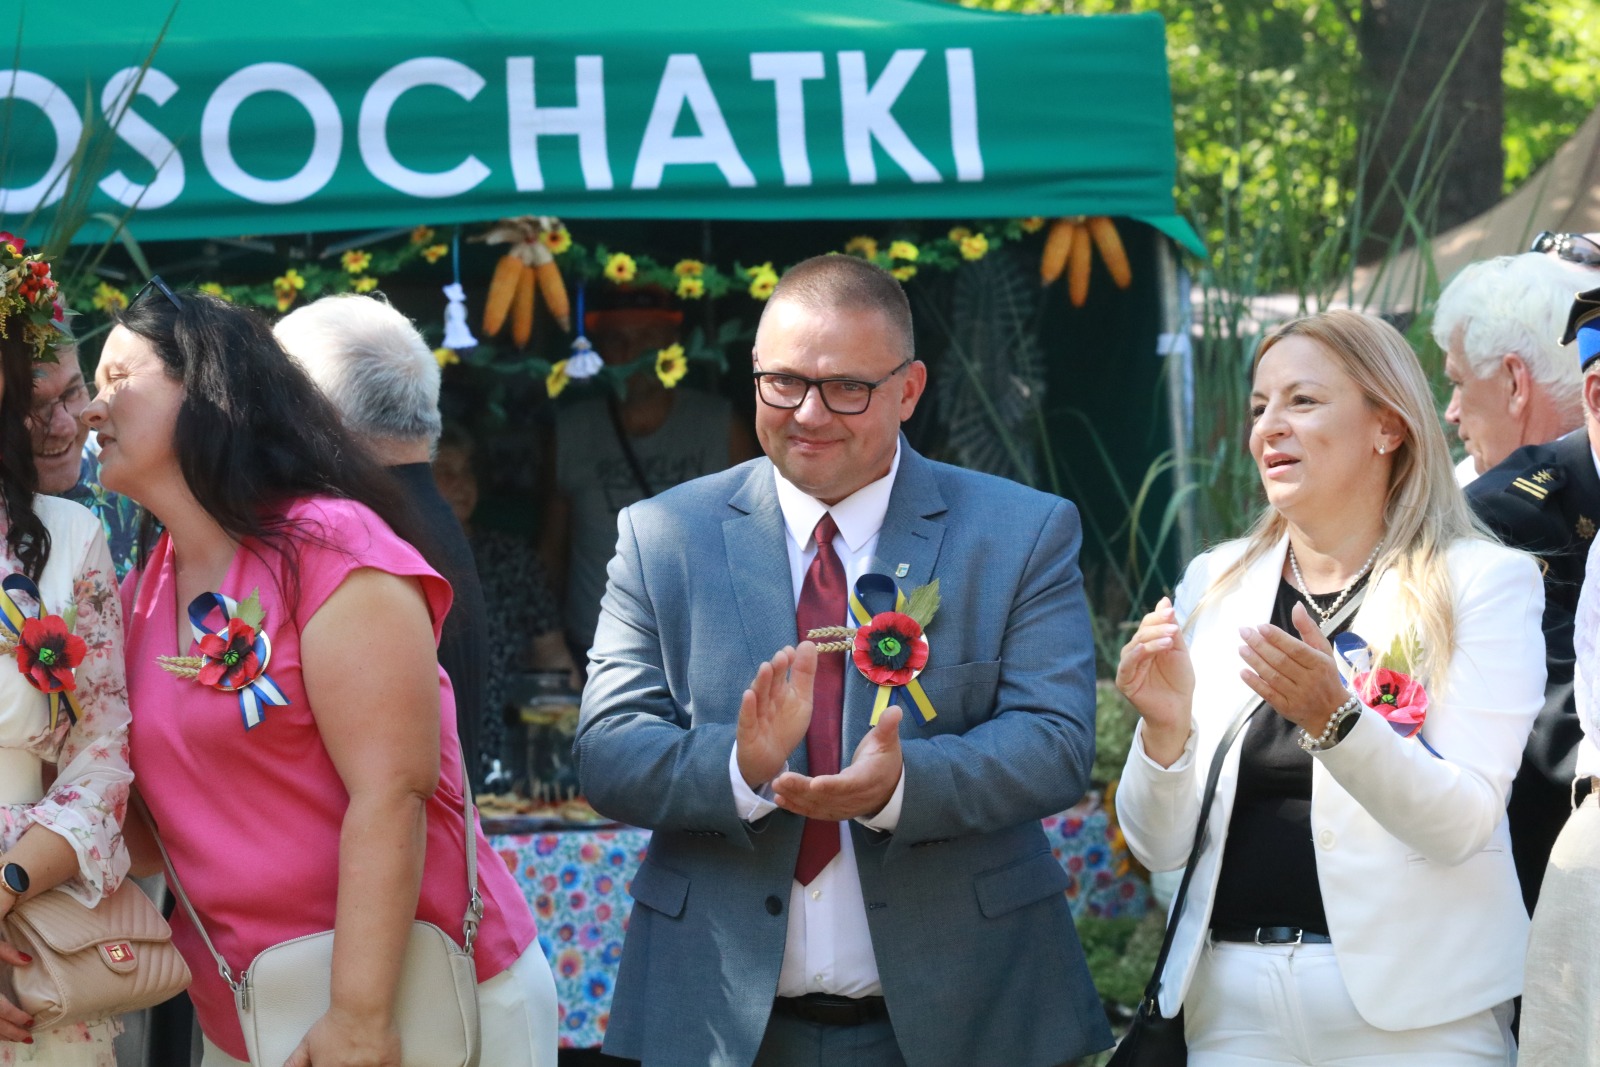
1572,247
842,396
159,286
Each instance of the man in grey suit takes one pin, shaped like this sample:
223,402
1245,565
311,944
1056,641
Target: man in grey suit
901,907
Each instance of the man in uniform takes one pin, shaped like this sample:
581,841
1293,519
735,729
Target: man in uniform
1545,499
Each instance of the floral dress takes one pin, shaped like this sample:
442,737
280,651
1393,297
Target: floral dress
86,802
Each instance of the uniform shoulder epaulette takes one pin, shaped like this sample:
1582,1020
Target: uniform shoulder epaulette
1538,483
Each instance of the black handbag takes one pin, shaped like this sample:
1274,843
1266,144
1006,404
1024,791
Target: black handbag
1153,1040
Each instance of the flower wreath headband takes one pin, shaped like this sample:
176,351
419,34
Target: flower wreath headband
28,296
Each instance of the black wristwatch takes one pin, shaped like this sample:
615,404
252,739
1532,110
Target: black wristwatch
13,879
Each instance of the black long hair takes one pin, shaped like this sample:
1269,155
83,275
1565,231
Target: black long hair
254,432
26,535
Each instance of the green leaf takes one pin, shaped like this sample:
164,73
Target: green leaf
70,617
1402,651
250,611
924,603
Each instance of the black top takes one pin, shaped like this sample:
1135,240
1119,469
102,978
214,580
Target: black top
1269,865
466,628
1545,499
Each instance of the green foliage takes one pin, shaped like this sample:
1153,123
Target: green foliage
1121,954
1265,98
1550,83
1114,720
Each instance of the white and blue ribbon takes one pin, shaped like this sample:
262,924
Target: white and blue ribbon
260,691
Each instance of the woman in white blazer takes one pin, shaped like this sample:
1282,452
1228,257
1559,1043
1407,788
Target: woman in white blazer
1356,901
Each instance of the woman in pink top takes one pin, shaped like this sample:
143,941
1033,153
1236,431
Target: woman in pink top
328,794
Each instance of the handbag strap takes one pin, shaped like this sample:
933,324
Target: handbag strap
634,466
469,921
1153,989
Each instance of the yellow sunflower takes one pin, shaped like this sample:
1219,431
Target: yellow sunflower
366,285
556,380
904,274
865,247
691,288
109,298
959,234
445,357
671,365
1033,224
215,289
903,250
974,247
355,261
421,235
557,241
763,280
621,268
434,253
689,268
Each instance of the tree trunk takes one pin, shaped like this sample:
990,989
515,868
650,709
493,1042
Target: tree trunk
1407,46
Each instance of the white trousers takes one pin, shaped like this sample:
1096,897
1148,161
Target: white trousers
516,1012
1287,1006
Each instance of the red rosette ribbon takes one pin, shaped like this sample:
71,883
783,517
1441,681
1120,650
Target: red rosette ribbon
1399,698
890,649
47,653
230,657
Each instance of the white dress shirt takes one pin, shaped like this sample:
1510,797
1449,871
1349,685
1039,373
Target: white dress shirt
829,948
1586,677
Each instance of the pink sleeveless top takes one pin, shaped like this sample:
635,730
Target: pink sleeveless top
252,818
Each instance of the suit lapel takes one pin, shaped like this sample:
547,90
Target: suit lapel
910,536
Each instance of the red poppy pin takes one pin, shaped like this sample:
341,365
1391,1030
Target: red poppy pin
234,658
1389,690
889,648
46,648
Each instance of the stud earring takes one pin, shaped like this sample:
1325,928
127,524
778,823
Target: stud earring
1382,449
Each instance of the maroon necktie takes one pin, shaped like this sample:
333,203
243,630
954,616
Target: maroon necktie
822,603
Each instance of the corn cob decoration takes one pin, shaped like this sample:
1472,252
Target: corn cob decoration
528,269
1068,248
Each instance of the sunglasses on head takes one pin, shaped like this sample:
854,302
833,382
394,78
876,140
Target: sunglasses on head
1572,247
159,286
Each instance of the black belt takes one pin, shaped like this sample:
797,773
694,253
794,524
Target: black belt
1270,935
829,1010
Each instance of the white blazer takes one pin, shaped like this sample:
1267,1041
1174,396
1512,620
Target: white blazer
1413,854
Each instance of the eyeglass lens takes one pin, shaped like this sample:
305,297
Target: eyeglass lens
842,396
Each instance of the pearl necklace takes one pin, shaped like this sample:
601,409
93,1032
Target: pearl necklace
1300,582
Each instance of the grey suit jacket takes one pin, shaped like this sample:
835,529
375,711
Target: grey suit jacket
974,943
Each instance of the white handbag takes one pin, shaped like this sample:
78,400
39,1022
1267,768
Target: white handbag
285,990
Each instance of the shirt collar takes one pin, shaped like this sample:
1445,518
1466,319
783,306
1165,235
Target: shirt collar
859,516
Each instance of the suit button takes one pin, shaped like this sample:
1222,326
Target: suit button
774,906
1326,839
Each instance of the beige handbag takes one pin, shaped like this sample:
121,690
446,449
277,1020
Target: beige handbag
285,990
92,963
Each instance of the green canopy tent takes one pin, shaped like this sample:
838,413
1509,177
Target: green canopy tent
308,117
305,116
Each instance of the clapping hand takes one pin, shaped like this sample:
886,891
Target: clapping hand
1299,678
775,712
1157,677
859,790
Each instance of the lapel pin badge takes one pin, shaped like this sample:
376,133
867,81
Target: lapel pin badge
902,570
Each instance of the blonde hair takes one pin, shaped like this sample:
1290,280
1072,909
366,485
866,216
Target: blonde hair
1424,511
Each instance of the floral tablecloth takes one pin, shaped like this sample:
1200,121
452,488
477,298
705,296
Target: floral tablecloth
577,884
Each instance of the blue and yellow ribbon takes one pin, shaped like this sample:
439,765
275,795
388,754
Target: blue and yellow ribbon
260,690
875,589
12,616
